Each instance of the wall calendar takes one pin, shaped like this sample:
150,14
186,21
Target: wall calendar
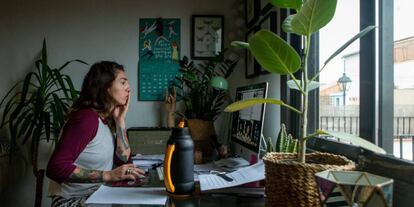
159,55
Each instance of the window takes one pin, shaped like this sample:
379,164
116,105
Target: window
403,79
374,79
343,113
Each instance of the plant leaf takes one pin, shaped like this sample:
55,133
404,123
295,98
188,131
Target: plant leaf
236,106
288,4
68,62
273,53
358,141
44,59
239,44
350,41
313,15
47,125
311,86
287,24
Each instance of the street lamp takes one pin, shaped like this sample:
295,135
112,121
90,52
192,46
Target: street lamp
344,83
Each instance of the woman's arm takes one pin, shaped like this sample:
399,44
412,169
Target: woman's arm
79,130
123,151
127,171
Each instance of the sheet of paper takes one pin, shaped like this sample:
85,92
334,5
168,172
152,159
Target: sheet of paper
147,163
241,176
128,195
149,157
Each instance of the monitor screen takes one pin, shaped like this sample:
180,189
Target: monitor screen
247,124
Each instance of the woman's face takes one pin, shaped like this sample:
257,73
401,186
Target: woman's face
119,90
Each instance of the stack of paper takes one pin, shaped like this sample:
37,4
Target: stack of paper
241,176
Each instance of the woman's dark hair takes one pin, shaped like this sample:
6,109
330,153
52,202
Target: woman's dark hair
94,93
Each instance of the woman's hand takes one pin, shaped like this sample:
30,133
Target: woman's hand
119,112
123,172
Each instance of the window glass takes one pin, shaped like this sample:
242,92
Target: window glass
339,103
403,79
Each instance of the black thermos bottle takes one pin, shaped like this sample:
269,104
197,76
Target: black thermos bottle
179,163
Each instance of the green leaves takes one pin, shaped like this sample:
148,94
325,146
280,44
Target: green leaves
36,110
288,4
239,105
358,141
311,85
350,41
240,44
273,53
313,15
201,100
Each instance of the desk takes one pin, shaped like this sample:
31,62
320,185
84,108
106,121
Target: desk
198,199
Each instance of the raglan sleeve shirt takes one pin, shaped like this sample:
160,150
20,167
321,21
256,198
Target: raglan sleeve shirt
78,131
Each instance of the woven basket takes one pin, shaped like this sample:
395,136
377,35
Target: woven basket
290,183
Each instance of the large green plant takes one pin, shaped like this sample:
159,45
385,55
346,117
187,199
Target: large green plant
201,100
277,56
34,108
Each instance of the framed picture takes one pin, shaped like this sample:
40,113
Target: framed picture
252,66
207,36
265,6
269,22
252,10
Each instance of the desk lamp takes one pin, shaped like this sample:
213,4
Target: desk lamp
219,82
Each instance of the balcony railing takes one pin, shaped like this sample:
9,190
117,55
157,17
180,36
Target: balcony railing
403,131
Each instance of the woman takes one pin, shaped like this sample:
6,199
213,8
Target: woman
93,147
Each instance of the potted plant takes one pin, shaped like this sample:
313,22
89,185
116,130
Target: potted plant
289,178
34,109
203,88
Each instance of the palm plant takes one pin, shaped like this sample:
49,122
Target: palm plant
201,100
34,108
277,56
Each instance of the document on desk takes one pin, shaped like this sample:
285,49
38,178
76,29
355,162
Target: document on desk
128,195
146,161
241,176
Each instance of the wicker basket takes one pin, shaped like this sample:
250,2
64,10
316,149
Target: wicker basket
290,183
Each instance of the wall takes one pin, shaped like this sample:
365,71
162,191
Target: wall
94,30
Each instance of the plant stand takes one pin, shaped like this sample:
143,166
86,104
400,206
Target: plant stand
291,183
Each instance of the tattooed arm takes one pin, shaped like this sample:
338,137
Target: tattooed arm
123,151
81,175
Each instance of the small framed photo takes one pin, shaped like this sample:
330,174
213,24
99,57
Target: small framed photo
265,6
252,10
252,66
207,36
269,22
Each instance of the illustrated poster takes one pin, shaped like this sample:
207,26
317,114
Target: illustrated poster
159,55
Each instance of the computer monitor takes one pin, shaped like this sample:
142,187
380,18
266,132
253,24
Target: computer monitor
247,124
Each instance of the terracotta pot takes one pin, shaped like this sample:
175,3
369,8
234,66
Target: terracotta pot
290,183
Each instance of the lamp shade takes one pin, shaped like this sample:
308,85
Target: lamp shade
344,82
219,82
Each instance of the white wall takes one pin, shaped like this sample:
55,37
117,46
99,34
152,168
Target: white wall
94,30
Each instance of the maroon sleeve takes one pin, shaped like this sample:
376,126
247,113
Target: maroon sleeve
78,131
